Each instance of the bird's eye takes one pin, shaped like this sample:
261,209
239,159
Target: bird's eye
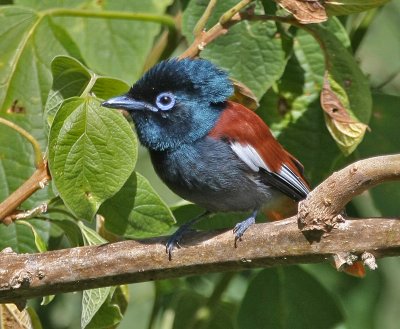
165,101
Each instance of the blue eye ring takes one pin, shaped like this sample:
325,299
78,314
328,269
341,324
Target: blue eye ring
165,101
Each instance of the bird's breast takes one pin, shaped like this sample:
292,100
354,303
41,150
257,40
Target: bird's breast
211,175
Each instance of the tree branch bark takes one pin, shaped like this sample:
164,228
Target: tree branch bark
321,211
24,276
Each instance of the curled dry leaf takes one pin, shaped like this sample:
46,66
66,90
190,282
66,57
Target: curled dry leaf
244,95
347,131
305,11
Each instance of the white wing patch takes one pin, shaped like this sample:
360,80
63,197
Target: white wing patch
249,156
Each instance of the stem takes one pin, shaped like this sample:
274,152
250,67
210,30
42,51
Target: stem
199,28
37,181
29,137
227,16
161,19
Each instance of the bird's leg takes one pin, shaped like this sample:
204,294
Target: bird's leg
177,236
241,227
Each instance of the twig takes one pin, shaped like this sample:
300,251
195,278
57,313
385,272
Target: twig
37,181
228,19
201,23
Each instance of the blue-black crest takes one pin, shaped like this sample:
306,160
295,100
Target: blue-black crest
193,76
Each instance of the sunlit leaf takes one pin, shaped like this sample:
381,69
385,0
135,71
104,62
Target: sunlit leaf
92,152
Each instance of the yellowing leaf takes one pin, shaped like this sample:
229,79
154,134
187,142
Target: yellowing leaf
347,131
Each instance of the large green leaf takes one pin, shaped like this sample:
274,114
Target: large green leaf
288,298
117,48
136,210
92,152
27,46
252,52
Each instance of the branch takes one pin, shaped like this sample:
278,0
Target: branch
321,210
279,243
227,20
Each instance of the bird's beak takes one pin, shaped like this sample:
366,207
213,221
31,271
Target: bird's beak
124,102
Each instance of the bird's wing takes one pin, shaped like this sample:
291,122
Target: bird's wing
252,141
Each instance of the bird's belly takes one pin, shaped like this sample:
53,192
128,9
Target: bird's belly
210,175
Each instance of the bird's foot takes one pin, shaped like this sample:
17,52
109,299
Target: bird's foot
174,240
241,227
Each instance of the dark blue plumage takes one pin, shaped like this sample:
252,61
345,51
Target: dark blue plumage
207,149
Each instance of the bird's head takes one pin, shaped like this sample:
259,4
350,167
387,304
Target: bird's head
175,102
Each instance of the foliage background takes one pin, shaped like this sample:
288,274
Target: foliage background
285,73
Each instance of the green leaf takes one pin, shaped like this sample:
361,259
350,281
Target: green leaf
111,311
24,83
136,210
92,300
70,78
106,87
90,237
39,243
92,152
252,52
116,47
288,298
20,238
347,7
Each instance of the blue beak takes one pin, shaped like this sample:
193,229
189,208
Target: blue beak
125,102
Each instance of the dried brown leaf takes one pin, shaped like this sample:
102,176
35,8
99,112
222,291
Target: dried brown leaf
305,11
244,95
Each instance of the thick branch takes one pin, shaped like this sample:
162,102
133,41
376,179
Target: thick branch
321,210
28,275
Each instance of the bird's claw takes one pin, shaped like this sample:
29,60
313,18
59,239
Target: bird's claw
242,227
173,242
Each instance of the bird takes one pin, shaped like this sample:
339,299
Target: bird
208,149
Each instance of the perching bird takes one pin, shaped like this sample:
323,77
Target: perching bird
207,149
